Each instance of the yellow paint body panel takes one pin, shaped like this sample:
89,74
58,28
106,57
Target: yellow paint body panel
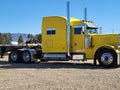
101,41
77,43
57,42
104,40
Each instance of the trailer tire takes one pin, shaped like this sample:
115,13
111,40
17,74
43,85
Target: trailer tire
107,58
26,57
13,57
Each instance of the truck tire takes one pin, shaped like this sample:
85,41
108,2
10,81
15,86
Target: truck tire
13,57
107,58
26,57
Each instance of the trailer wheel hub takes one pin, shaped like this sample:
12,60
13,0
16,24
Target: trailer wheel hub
106,58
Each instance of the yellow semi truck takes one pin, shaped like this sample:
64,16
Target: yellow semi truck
81,43
65,38
85,42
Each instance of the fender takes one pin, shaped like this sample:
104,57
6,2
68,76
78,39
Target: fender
96,52
105,47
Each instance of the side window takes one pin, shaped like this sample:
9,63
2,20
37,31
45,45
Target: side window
51,31
78,30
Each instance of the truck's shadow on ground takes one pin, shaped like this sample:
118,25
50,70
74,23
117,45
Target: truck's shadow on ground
51,65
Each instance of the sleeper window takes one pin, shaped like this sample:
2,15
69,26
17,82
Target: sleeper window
51,31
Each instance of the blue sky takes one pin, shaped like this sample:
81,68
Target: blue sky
25,16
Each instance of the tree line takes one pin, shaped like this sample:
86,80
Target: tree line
31,39
6,38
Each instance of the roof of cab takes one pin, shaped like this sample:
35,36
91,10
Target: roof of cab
71,19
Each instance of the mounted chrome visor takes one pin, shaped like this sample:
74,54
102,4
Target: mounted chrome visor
91,26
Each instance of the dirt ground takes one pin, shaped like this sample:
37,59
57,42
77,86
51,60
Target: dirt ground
57,76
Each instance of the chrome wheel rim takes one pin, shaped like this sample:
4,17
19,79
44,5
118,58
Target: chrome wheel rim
107,58
14,56
26,57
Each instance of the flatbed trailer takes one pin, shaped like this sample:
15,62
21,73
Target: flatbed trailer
20,53
7,47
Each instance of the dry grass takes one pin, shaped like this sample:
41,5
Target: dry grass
57,76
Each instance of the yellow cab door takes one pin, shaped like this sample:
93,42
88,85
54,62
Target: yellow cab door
80,42
77,39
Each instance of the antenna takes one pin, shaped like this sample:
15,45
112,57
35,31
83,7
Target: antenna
85,14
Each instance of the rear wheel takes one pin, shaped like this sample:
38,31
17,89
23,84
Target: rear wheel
107,58
13,57
26,57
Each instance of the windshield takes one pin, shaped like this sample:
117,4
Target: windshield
92,30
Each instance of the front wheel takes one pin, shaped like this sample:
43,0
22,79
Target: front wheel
107,58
